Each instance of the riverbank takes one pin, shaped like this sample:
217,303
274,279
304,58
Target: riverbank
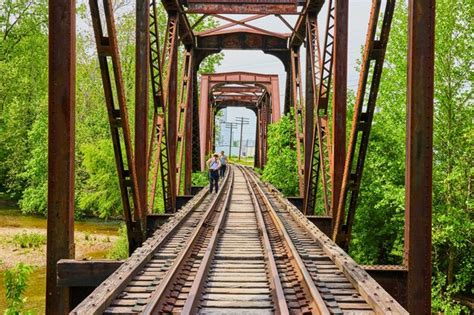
93,240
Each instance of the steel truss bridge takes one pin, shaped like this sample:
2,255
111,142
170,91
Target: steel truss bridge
246,249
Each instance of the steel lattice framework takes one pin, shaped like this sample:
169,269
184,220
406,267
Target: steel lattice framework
183,119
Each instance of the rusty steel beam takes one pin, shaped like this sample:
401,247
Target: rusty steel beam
185,31
158,159
61,137
242,7
188,132
242,38
242,98
141,102
312,75
240,77
338,143
419,157
321,145
196,156
298,115
230,24
275,98
288,91
184,122
299,32
371,72
171,96
109,60
237,89
257,162
250,26
204,109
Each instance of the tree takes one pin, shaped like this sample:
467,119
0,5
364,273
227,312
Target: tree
23,84
378,230
282,167
23,92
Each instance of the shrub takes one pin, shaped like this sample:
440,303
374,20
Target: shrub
282,166
16,283
29,240
120,248
200,178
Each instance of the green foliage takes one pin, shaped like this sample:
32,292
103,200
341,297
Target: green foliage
100,193
200,179
378,230
23,84
119,249
29,239
282,167
23,107
16,283
35,176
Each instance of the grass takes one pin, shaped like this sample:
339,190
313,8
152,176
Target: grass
29,240
119,249
247,161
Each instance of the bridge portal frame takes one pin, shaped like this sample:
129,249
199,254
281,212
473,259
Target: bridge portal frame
258,92
61,131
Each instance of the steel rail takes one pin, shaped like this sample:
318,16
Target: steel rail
195,291
365,285
102,296
317,302
275,281
155,301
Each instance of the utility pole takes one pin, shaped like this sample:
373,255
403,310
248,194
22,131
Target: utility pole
230,125
243,121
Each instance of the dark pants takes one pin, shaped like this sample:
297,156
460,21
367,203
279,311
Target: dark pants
214,178
223,167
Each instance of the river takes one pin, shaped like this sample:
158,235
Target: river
93,239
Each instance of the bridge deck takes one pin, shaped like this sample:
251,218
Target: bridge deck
245,250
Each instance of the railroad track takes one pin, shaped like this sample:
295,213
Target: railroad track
129,288
245,250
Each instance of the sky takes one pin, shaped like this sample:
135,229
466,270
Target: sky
257,61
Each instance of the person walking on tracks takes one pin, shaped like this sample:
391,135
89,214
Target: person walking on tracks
214,165
223,159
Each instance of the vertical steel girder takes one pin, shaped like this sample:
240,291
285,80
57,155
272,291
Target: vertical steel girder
319,160
189,129
372,65
204,109
338,130
312,72
298,115
196,156
141,102
264,116
61,136
321,140
158,157
109,59
257,161
419,157
171,95
184,123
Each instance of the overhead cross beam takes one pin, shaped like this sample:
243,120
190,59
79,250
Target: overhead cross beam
299,33
243,7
